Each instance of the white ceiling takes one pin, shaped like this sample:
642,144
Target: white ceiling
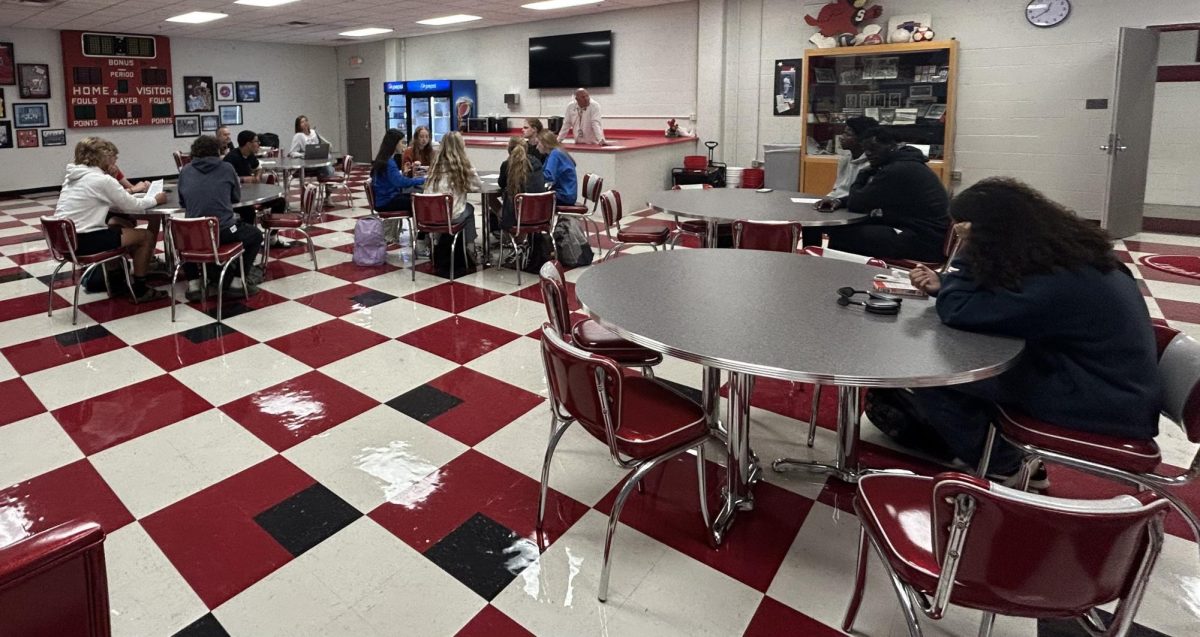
269,24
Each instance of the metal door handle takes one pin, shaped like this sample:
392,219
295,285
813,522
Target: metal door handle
1104,148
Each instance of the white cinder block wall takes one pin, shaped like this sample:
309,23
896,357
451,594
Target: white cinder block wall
293,79
1021,90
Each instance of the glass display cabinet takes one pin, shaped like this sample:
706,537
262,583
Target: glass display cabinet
907,87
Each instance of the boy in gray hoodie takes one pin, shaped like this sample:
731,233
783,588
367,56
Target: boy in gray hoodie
208,187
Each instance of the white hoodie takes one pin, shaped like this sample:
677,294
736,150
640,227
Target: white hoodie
88,193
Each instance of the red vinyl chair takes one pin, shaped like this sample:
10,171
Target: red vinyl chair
340,180
308,214
696,227
197,241
54,583
434,213
774,236
645,233
957,539
62,242
593,185
1127,460
587,334
643,423
181,159
535,214
949,248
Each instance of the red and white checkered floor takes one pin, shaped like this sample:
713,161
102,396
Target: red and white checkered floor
354,453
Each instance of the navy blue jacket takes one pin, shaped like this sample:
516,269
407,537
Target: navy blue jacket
208,187
1090,360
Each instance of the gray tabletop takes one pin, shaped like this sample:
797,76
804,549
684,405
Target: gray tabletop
773,314
728,204
252,195
294,163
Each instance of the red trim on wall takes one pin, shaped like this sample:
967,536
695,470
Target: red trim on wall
1181,73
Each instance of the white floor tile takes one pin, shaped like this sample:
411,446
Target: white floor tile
148,326
147,596
6,370
401,283
302,284
388,370
503,280
277,320
78,380
183,458
396,317
1172,602
21,287
236,374
518,362
375,457
333,239
511,313
32,447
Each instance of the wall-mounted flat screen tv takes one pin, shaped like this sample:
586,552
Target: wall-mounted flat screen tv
571,61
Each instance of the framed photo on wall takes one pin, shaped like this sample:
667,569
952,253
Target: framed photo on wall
231,114
198,93
6,135
54,137
27,138
936,111
247,91
187,125
34,80
224,91
8,64
34,115
3,105
786,99
209,123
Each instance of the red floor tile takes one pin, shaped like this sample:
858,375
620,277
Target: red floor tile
72,492
840,495
211,537
350,272
1179,310
44,353
454,297
491,622
474,483
109,419
322,344
111,309
534,293
669,511
458,338
295,410
29,305
32,256
338,301
21,238
19,402
1161,248
1069,483
773,619
176,351
488,405
277,269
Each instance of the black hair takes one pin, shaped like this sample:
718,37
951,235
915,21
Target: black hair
206,146
1017,231
297,124
861,125
387,149
245,137
881,135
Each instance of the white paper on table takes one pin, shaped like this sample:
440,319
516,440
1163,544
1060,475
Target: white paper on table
156,187
805,199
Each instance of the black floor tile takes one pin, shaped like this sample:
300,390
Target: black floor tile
307,518
83,335
207,332
424,403
206,626
374,297
483,554
1071,628
232,308
20,275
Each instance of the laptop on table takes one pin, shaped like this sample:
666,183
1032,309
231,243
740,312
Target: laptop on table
316,151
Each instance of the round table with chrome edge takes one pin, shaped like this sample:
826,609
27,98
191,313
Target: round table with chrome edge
755,313
287,165
717,205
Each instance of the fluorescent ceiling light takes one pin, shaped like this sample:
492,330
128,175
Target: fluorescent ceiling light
262,3
359,33
449,19
198,17
557,4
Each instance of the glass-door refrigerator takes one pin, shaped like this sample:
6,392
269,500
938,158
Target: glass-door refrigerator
439,105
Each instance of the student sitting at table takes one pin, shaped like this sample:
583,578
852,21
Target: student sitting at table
453,173
116,218
904,199
1029,268
559,168
416,159
307,135
208,187
850,163
530,130
88,192
387,183
520,173
225,139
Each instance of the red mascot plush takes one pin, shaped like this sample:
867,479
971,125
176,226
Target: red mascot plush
843,16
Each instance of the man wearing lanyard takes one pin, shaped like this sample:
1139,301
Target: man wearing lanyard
583,116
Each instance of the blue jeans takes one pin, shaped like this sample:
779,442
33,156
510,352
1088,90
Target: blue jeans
467,216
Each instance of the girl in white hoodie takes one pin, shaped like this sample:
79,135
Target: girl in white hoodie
88,192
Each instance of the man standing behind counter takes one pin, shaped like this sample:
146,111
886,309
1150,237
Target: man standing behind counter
583,117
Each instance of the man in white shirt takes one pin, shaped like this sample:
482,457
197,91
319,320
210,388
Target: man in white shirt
583,117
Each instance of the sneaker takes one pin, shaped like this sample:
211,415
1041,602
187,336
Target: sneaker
150,294
240,289
255,274
194,295
278,242
1039,480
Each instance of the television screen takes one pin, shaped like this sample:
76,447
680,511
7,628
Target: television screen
571,61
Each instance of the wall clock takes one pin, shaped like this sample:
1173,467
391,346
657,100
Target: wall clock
1047,13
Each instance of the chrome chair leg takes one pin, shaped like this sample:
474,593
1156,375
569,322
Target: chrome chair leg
221,286
555,436
312,248
812,419
50,292
107,285
174,279
79,284
702,479
412,251
453,247
986,624
614,517
860,581
902,594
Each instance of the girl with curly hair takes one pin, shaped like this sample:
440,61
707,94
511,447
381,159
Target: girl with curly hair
453,173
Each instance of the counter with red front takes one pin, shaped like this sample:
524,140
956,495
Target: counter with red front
634,162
